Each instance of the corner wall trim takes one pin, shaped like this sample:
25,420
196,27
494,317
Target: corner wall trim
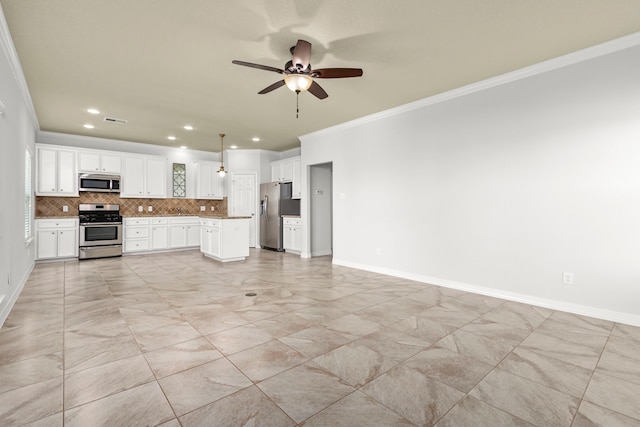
6,43
614,316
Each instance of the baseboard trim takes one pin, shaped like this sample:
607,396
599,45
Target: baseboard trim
584,310
321,253
6,309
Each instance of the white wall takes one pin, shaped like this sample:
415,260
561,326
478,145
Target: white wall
503,188
17,133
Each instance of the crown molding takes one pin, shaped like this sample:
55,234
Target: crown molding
6,43
582,55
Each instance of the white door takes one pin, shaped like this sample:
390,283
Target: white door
243,196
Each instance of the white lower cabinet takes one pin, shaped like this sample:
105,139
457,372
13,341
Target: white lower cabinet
184,232
56,238
137,234
161,233
292,234
225,239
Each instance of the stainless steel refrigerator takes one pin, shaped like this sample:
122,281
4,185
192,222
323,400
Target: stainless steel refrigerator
275,201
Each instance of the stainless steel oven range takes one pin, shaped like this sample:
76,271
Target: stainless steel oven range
100,231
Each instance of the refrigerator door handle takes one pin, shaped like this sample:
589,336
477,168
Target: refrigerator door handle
266,210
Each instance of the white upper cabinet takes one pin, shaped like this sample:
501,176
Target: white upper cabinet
209,185
132,184
144,177
296,189
156,177
94,161
288,170
56,172
282,170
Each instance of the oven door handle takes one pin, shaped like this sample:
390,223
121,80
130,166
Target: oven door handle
90,224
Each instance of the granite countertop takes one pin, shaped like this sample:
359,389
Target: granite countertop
212,216
224,217
155,216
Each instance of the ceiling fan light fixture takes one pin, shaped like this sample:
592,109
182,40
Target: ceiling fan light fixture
298,82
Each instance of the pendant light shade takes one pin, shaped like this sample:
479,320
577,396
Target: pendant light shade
221,171
298,82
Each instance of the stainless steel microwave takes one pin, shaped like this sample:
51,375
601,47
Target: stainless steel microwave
99,183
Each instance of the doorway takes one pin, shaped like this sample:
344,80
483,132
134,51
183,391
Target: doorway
321,209
243,200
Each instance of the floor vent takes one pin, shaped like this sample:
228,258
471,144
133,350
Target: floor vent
116,121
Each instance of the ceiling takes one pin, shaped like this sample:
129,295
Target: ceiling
162,64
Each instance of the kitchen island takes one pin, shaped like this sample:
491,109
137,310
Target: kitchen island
224,238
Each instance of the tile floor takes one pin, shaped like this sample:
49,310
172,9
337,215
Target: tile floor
171,339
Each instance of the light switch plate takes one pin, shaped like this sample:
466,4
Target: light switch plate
65,209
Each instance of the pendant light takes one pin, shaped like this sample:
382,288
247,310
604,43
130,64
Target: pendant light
221,171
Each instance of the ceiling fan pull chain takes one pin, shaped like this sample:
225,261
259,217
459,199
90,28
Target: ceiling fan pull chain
297,103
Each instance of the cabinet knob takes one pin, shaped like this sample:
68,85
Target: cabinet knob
53,189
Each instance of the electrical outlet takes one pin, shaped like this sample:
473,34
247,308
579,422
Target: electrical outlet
150,208
65,209
139,208
203,208
567,278
213,208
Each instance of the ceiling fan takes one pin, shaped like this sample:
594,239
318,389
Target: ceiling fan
298,75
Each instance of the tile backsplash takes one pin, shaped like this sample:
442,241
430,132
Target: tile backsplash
53,206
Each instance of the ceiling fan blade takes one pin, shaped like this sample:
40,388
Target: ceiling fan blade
274,86
258,66
316,90
336,73
302,54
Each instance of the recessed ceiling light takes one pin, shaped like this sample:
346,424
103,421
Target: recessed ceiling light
171,138
188,127
88,126
183,147
93,111
255,139
233,147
